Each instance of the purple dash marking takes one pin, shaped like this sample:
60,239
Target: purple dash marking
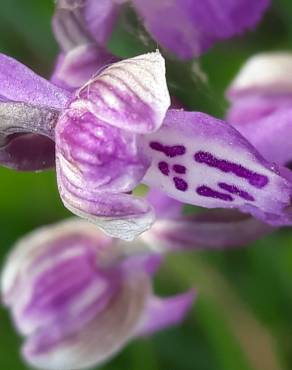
178,168
163,167
235,190
205,191
180,184
169,151
255,179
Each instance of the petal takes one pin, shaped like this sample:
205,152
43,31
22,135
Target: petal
189,27
69,26
96,165
210,229
165,207
149,263
131,94
262,86
164,312
99,340
271,135
265,73
221,168
100,17
53,278
77,66
18,83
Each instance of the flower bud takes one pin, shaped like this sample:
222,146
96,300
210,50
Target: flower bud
76,301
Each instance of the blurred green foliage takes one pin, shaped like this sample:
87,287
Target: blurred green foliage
242,318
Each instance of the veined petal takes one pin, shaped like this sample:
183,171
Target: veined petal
190,27
100,17
131,94
211,229
118,215
77,66
218,168
163,312
100,339
18,83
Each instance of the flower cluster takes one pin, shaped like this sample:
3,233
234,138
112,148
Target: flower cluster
76,294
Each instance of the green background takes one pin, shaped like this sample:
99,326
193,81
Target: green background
242,319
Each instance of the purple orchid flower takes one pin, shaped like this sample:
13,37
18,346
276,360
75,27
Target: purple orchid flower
187,28
77,298
114,133
261,104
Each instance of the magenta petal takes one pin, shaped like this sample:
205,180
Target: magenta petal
18,83
190,27
77,66
222,169
164,312
211,229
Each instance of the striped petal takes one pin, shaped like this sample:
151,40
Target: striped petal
131,94
201,160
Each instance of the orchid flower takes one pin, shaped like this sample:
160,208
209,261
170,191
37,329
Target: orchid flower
261,104
78,299
187,28
115,133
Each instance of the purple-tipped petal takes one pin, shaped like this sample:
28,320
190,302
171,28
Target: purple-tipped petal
211,229
77,66
100,18
222,170
20,84
164,312
189,27
131,94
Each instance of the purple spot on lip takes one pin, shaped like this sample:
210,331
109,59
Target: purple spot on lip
169,151
180,184
178,168
163,167
235,190
205,191
255,179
